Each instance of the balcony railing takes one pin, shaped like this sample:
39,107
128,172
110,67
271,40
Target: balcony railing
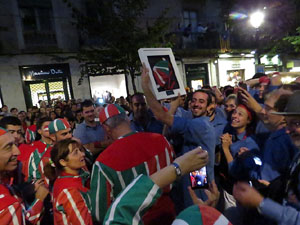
195,40
39,39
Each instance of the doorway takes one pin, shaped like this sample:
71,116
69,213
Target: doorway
46,82
196,75
46,90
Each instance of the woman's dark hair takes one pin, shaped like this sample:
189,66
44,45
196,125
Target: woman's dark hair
52,113
250,128
59,151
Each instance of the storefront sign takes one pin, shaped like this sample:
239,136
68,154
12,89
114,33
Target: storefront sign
45,71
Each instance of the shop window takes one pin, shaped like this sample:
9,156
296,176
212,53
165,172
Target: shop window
197,84
38,92
235,76
102,87
56,90
196,75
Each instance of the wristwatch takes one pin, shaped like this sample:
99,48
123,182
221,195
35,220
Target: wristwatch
177,169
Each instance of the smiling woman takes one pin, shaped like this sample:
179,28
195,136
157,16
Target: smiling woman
67,169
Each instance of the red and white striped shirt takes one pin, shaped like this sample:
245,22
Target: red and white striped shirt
13,211
69,206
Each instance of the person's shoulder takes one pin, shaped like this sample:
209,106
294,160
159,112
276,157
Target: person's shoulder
66,183
7,199
202,122
80,129
25,146
81,125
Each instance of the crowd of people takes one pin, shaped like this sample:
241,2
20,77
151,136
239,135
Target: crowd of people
129,160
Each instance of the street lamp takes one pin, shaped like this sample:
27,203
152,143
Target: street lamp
256,20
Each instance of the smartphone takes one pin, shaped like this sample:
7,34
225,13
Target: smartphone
257,161
199,179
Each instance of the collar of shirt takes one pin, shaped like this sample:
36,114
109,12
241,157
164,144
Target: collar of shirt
126,135
87,126
242,136
278,133
84,175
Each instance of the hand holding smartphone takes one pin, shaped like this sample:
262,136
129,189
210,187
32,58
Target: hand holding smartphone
198,178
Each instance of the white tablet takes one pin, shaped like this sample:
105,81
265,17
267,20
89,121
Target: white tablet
164,74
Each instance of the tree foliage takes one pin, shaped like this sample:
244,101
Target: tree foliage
282,17
111,33
294,40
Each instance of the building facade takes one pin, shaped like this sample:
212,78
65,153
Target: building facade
35,35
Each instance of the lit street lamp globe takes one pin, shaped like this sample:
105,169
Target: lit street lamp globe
256,19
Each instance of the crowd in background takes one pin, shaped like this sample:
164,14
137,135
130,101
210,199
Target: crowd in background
102,162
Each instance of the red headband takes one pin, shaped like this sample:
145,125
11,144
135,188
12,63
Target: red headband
247,110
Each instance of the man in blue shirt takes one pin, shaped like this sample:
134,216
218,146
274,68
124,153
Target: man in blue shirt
278,150
196,132
288,212
90,132
141,118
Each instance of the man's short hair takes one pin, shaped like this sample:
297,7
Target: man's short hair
209,100
12,109
137,95
10,120
42,120
115,121
86,103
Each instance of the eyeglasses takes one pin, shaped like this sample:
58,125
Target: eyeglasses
143,104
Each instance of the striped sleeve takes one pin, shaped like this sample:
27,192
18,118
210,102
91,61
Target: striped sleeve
16,214
126,211
33,166
73,207
12,215
100,194
33,213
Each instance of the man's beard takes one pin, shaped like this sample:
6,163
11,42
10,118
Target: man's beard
141,115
